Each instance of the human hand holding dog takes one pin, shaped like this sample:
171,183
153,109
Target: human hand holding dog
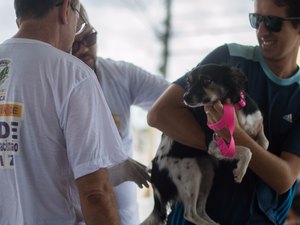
215,113
129,170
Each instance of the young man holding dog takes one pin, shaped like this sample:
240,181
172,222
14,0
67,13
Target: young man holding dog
57,156
266,192
123,85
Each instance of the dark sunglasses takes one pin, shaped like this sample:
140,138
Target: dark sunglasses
272,23
88,40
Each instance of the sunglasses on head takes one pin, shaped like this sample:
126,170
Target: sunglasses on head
272,23
88,40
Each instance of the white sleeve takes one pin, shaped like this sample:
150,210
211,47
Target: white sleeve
145,87
92,139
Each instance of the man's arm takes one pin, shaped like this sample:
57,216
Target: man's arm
278,172
170,115
97,199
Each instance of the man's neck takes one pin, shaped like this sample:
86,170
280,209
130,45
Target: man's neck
284,68
34,30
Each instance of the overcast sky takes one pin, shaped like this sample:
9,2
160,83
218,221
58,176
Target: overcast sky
129,29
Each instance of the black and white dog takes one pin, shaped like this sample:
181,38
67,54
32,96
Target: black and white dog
182,176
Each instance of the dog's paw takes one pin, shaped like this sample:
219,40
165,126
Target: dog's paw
262,140
264,143
238,175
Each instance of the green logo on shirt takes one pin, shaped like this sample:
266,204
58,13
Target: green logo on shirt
4,69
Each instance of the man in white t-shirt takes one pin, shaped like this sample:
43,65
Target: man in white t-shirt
57,135
123,85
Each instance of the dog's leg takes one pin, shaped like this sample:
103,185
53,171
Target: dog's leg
262,140
207,167
253,125
243,155
189,195
186,177
188,183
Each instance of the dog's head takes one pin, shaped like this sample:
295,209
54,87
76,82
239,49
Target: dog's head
211,82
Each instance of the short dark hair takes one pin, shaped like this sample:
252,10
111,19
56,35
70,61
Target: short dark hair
292,7
35,8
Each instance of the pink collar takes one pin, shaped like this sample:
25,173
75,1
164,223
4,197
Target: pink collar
241,103
227,121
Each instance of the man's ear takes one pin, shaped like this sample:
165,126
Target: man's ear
64,11
18,22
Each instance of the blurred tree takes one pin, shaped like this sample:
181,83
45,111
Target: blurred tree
165,38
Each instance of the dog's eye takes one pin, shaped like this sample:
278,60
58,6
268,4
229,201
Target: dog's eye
206,81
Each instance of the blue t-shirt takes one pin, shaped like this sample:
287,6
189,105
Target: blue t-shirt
252,201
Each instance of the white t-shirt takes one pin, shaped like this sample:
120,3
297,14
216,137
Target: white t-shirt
55,126
124,85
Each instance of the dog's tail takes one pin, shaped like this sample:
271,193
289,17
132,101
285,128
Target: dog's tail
158,214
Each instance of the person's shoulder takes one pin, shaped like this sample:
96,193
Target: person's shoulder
120,67
72,63
225,53
69,67
48,55
239,50
114,63
235,48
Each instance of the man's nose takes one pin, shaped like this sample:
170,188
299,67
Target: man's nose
262,29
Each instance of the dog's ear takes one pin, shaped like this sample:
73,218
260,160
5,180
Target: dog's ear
190,75
188,79
239,77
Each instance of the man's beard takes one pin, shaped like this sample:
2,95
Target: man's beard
91,62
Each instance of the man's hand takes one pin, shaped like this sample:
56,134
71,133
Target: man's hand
214,114
129,170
